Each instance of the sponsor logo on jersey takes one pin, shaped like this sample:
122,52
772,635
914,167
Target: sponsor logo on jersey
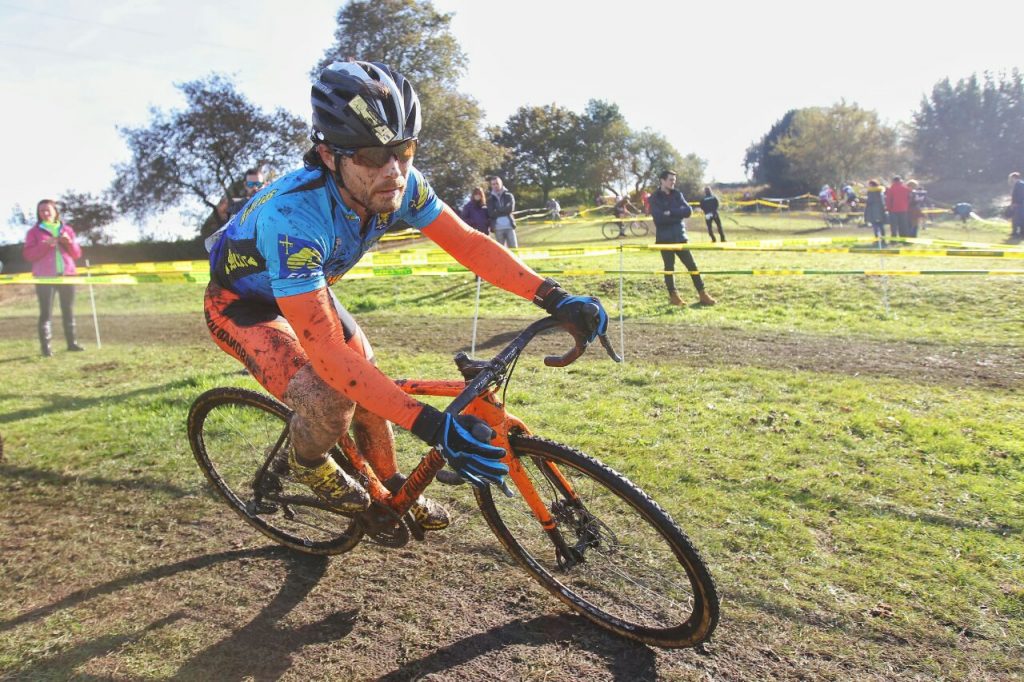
298,257
422,194
237,260
257,202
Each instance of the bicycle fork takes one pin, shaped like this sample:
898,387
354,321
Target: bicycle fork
502,422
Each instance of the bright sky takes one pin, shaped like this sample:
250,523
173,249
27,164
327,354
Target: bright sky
711,78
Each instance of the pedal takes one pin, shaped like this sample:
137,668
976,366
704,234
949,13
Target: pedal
383,526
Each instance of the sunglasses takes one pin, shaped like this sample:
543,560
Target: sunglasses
253,183
378,157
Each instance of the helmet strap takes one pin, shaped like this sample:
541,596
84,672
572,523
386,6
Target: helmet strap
341,182
337,170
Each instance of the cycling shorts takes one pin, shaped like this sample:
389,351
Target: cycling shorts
257,335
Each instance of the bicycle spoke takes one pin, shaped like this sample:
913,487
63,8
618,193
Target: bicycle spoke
232,433
631,569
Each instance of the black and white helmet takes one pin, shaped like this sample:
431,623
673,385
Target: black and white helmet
363,104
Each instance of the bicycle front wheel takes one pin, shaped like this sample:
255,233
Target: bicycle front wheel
240,439
639,228
611,230
616,557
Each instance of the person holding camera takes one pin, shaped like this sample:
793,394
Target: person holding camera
52,248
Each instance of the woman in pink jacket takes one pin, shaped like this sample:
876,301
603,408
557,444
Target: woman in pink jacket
52,248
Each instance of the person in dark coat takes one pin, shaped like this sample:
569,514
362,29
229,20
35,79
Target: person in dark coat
668,209
709,205
474,212
874,210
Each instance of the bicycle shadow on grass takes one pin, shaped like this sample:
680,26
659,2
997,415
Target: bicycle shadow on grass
156,573
626,660
262,649
61,481
229,658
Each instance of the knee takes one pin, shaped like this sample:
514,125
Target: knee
317,405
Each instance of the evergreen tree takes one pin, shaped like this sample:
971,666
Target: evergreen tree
972,131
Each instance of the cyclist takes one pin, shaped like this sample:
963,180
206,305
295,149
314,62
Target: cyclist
624,208
270,306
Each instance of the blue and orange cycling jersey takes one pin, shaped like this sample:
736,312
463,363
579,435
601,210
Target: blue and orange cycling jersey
297,235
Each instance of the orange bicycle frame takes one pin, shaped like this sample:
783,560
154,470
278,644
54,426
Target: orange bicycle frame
486,407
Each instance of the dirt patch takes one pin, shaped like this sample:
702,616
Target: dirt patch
967,365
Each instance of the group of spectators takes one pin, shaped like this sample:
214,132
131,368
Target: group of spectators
492,214
52,246
900,205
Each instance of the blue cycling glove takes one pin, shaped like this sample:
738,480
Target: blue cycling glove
583,313
474,459
463,442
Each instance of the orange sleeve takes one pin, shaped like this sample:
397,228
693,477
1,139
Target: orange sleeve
481,254
319,330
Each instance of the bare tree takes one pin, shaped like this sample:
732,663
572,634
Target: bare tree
189,158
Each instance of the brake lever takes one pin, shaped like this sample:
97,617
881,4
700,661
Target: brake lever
573,353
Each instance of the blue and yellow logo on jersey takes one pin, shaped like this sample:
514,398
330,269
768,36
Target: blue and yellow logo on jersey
259,201
237,261
298,257
422,194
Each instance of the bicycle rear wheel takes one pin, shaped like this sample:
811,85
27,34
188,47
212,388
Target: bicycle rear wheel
234,432
624,564
611,230
639,228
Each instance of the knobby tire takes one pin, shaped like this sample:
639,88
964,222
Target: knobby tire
640,576
232,431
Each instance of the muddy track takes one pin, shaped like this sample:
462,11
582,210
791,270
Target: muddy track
100,569
931,363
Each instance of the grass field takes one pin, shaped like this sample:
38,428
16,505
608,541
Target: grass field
849,459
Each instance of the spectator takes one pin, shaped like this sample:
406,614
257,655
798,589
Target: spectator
645,201
52,248
1016,205
500,205
915,214
668,209
709,205
897,203
963,211
474,212
554,209
254,182
874,210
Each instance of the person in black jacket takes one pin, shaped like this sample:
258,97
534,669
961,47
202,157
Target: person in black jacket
709,205
500,206
668,208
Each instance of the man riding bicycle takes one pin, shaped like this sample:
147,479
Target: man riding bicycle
270,306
